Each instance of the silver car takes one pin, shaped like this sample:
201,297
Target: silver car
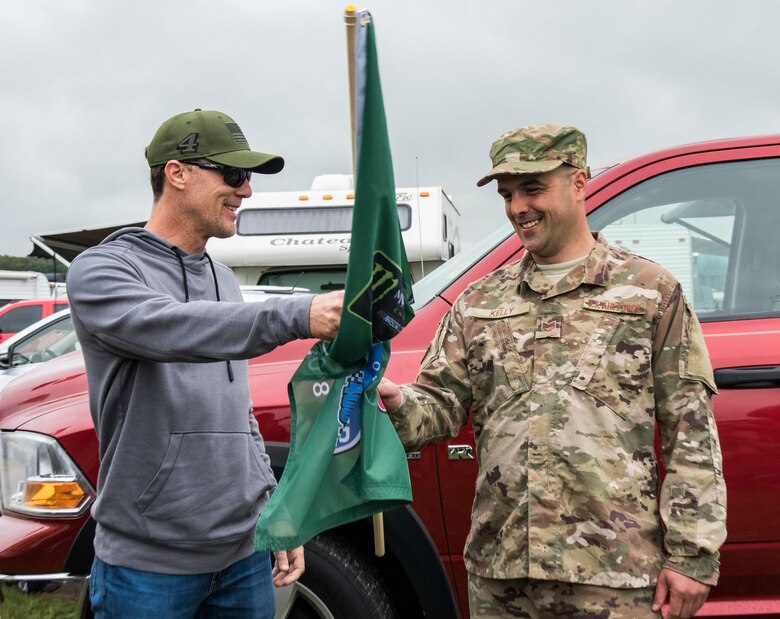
46,339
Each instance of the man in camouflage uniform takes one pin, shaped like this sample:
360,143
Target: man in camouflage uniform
568,360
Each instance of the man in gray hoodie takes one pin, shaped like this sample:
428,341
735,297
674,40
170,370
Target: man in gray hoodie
165,336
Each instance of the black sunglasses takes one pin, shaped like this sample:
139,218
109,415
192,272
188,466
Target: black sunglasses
234,177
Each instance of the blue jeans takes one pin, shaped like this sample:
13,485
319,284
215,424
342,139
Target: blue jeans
242,591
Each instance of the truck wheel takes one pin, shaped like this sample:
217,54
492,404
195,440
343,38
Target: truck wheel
338,583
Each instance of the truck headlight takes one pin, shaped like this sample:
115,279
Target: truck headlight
38,478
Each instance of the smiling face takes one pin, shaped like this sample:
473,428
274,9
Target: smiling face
195,205
547,211
212,203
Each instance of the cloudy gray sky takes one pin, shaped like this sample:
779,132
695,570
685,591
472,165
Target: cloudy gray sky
85,83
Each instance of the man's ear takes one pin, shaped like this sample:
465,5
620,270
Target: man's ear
175,174
580,180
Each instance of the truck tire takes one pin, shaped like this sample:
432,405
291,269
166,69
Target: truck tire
339,583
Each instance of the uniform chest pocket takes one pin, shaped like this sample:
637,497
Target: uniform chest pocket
615,366
497,360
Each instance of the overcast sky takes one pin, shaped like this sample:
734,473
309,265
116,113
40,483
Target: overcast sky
84,84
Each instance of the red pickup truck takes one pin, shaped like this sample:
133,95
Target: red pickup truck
710,212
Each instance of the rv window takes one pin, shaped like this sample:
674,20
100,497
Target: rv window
315,280
305,220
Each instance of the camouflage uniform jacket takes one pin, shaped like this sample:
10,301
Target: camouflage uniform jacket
566,385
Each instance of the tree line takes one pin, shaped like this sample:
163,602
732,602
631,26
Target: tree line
30,263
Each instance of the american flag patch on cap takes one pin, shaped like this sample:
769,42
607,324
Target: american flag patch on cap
235,131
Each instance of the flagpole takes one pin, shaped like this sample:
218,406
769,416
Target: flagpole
350,21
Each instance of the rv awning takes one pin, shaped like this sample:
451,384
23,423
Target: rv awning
71,243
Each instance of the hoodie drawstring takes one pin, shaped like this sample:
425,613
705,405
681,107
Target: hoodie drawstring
187,291
175,251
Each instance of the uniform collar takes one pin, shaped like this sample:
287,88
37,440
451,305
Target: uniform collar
594,271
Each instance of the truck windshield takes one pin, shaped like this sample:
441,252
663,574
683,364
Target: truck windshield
436,281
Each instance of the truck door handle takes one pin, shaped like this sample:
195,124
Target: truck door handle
754,377
460,452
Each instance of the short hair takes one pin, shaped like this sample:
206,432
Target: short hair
157,178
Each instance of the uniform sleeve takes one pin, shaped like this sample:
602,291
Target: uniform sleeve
436,405
693,495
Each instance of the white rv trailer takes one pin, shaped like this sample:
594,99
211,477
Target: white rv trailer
20,285
302,238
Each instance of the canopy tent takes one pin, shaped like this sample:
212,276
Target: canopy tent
68,244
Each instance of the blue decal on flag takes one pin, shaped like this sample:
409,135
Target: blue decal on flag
350,403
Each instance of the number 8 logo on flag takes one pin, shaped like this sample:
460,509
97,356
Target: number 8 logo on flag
320,389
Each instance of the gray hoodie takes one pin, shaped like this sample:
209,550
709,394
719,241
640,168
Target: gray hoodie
165,336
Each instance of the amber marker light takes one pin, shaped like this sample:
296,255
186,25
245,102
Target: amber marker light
37,477
52,493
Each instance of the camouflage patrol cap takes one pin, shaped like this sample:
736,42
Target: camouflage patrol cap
536,148
208,134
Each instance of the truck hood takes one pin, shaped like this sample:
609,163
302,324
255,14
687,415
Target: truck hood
45,388
7,375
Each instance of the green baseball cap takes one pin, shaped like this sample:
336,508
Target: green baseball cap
206,134
536,148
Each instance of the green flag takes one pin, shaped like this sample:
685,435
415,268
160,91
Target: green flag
346,461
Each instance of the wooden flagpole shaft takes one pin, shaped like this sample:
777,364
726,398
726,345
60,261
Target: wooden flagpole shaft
379,534
350,21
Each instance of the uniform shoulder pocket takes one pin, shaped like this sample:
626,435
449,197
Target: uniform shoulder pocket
694,358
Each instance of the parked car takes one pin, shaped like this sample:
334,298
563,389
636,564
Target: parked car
708,211
21,314
41,341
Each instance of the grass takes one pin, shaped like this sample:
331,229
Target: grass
61,604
